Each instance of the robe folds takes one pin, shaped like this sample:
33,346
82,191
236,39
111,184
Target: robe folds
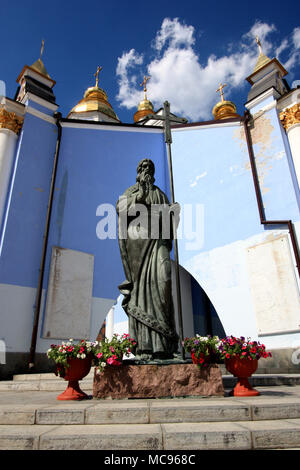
147,289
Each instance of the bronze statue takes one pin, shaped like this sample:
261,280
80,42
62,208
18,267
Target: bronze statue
144,218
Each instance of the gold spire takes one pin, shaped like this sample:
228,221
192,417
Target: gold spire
224,109
145,107
262,58
38,65
95,101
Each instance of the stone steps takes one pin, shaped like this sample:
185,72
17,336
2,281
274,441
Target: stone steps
32,418
242,435
36,420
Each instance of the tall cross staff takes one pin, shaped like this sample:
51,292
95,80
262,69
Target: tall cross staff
97,75
167,120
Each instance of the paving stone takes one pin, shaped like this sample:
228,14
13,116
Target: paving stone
278,409
20,414
11,385
118,412
60,416
104,437
221,410
22,437
204,436
274,433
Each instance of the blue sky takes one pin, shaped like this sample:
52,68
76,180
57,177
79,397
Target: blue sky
186,47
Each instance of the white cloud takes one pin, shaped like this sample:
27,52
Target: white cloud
128,95
261,30
295,54
296,38
175,34
177,74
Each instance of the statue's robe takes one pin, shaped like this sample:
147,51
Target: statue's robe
147,289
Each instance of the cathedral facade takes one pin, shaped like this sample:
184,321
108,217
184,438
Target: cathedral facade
235,177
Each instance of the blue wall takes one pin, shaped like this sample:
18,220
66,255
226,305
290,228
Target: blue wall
224,186
23,237
95,167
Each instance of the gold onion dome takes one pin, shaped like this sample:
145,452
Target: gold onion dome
95,101
224,109
145,107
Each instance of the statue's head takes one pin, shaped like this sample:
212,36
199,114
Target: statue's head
145,167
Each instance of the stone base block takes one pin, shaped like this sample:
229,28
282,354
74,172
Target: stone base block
158,381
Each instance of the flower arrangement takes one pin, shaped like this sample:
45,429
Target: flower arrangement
111,352
203,349
231,346
60,353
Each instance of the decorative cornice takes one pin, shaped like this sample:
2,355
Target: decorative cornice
9,120
290,116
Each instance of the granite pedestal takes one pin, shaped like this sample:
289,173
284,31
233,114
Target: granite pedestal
158,381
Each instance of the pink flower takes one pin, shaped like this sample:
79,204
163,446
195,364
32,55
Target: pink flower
99,355
110,360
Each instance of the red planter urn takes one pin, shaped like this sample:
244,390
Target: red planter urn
77,370
242,369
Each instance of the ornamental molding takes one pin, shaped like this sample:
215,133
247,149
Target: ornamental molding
290,116
9,120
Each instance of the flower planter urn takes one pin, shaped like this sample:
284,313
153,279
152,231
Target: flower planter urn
242,369
77,370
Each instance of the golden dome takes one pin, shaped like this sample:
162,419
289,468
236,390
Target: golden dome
144,108
224,109
94,100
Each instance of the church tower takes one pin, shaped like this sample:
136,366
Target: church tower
36,84
94,105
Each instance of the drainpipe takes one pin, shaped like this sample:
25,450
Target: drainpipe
38,298
261,211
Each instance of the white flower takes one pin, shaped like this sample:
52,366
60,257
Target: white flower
103,364
78,356
83,356
98,371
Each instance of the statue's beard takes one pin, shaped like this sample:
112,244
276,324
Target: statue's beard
146,178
